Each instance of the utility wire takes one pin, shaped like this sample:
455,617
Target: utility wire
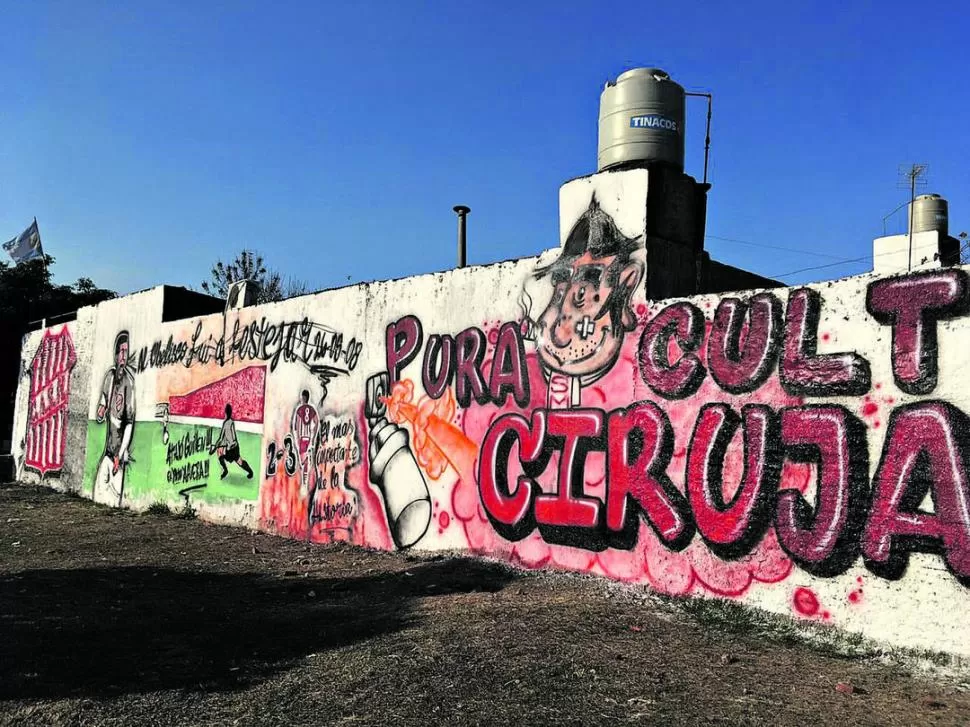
774,247
839,260
819,267
847,261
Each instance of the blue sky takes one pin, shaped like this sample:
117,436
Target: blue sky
150,138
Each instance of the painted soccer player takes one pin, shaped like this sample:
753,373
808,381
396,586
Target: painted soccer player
117,407
306,423
580,333
228,447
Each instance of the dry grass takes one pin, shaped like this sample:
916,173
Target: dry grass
112,618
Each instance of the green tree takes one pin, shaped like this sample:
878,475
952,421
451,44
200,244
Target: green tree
27,295
249,265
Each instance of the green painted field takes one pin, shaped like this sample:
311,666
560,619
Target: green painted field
150,476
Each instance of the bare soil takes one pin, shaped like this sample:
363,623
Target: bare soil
113,618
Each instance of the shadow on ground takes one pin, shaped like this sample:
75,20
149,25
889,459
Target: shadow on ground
102,632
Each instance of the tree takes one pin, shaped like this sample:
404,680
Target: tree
249,265
280,288
27,295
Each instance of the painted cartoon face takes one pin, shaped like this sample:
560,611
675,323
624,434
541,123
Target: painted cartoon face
122,357
581,330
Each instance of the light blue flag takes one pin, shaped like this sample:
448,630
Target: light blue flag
25,246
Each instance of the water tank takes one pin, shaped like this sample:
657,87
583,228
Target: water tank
930,213
641,120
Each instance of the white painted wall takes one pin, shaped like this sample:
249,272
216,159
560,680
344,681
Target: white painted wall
891,254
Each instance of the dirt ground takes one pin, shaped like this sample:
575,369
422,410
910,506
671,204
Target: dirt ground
113,618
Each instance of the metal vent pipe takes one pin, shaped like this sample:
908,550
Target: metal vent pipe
462,212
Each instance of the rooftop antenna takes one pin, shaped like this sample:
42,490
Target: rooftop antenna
912,176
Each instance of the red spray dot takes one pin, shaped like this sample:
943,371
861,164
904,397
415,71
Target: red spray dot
805,602
869,409
444,519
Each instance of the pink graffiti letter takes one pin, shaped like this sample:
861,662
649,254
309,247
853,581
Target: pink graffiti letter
505,507
912,304
732,528
640,442
509,372
568,507
468,371
742,367
682,323
824,541
403,340
440,349
926,449
804,372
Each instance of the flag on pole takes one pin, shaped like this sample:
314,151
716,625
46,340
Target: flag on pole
26,246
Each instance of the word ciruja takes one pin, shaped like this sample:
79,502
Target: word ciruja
926,449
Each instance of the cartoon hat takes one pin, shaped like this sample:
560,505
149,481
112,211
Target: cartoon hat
596,232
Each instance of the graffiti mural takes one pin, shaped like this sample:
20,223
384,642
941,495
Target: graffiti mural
712,460
116,410
394,470
207,418
308,470
579,335
306,427
50,389
227,447
222,420
314,345
806,450
333,503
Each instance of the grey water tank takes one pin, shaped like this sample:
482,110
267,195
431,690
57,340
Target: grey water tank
641,120
931,213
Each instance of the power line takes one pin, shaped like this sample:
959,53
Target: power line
839,260
774,247
819,267
852,260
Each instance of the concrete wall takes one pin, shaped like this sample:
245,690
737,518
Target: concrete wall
892,254
803,450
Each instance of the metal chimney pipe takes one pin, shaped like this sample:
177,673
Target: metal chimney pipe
462,212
